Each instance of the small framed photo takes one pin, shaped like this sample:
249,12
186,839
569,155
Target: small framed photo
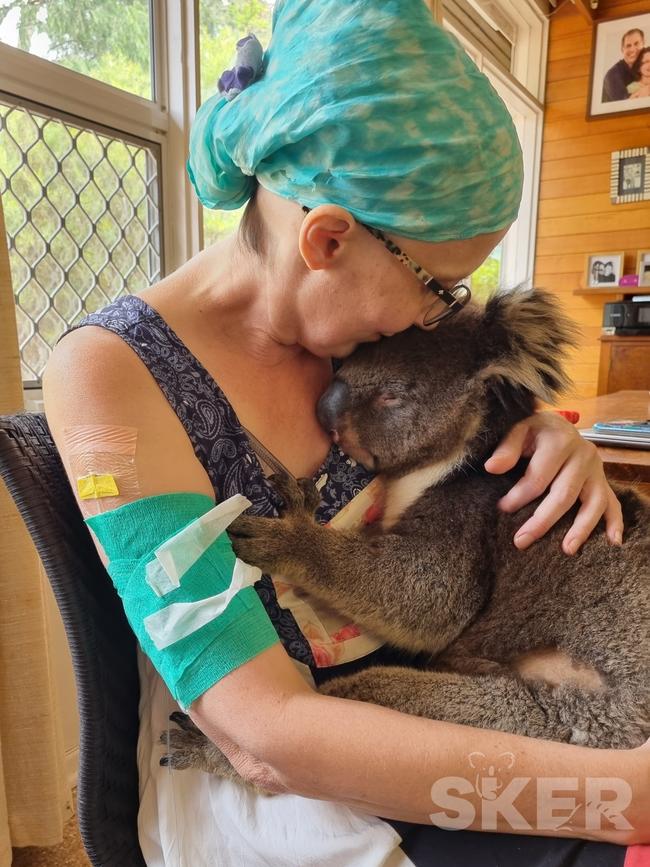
630,175
603,269
620,66
643,267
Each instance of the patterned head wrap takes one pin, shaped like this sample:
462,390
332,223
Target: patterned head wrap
370,105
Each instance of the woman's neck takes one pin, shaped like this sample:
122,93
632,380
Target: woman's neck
222,292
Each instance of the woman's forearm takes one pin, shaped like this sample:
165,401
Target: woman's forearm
278,732
408,768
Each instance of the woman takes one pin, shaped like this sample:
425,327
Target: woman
640,87
349,121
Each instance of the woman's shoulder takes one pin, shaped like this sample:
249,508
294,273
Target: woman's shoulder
90,356
94,380
93,376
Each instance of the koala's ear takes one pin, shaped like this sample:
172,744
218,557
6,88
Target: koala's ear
526,340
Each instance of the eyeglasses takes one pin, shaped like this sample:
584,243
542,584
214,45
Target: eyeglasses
448,301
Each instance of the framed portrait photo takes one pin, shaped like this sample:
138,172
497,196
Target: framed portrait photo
630,175
620,66
643,267
603,270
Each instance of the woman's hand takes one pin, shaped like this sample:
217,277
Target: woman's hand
564,462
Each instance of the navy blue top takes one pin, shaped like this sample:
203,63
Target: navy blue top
221,444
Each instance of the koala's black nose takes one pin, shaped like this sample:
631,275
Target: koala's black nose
332,405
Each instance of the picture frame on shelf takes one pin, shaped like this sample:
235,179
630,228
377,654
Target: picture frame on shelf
603,270
620,67
643,267
630,175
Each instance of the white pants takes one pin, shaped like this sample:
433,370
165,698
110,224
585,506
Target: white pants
193,819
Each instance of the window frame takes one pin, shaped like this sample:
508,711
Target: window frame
163,121
524,94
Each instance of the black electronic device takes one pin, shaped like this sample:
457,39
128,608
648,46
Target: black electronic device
627,317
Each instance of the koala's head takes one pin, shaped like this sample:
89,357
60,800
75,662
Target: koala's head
449,395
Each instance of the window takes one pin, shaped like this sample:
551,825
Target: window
82,217
221,26
96,100
493,39
103,39
520,84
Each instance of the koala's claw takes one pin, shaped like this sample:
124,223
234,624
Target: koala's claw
311,495
183,721
259,541
299,495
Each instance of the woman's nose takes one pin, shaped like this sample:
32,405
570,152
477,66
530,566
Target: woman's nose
332,405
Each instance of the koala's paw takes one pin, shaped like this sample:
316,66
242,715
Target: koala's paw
262,542
187,746
299,495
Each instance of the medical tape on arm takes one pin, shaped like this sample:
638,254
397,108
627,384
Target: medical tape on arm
100,461
175,557
167,556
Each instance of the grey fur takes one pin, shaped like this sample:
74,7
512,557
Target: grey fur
446,580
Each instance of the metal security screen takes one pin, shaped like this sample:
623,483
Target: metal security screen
82,212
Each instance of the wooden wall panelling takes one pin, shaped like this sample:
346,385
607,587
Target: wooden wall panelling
576,217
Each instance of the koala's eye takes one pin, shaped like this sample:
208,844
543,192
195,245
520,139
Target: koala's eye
386,399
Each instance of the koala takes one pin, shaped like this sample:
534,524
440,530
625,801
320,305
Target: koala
439,575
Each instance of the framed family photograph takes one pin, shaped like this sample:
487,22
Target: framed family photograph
643,267
620,66
630,175
603,269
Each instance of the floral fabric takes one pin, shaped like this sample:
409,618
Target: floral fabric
318,638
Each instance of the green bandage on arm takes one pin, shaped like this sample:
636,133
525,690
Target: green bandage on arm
130,536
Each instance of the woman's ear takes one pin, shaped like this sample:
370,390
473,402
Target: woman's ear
324,234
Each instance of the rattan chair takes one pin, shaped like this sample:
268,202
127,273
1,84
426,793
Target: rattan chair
101,642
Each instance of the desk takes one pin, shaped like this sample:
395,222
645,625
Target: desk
621,464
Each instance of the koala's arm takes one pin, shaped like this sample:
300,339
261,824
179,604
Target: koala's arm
405,589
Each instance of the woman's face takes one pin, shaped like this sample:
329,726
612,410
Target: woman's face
380,296
343,287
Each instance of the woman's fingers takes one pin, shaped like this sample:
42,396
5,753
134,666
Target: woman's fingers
564,483
570,468
542,469
596,500
614,525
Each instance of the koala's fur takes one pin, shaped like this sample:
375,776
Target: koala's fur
442,576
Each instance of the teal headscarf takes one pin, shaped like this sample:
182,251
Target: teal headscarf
370,105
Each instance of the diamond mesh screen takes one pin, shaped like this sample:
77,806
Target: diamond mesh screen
82,215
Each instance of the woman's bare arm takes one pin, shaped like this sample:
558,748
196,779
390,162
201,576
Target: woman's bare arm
274,728
282,735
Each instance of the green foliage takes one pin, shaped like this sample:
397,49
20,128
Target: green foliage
76,207
78,220
485,280
105,39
